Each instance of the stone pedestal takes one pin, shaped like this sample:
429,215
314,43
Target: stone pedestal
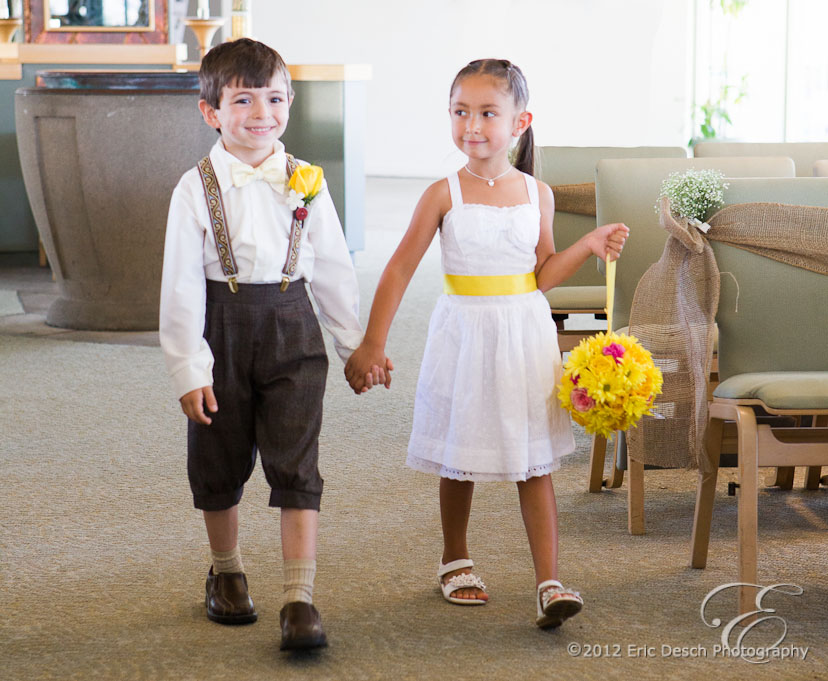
99,168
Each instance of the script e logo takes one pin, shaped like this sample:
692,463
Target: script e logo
789,589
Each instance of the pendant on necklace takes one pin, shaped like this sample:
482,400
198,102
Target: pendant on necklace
488,180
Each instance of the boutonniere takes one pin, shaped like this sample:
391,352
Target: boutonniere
305,184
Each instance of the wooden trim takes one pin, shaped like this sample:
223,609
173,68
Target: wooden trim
169,55
597,456
98,54
635,497
724,401
11,72
706,496
569,339
578,310
334,72
9,51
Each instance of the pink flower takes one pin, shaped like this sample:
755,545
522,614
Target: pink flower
614,350
581,399
575,379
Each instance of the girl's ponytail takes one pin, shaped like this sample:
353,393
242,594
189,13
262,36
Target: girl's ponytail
525,152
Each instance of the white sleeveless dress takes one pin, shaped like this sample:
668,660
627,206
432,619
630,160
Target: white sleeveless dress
486,406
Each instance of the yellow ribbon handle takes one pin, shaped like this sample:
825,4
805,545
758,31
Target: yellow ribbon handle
610,291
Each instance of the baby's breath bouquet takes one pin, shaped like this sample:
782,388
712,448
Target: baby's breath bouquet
692,194
609,383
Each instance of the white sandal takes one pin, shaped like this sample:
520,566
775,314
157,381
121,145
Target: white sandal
556,603
462,581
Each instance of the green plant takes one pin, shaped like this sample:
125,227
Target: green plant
732,7
713,116
714,113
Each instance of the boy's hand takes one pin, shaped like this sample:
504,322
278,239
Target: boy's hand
608,240
193,402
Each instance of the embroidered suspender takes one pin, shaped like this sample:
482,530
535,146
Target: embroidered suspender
295,240
215,208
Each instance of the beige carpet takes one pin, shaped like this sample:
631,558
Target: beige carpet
9,303
103,558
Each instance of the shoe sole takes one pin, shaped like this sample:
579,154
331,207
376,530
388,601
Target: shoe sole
466,601
557,612
232,619
304,643
229,619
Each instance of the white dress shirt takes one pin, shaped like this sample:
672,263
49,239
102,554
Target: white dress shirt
258,222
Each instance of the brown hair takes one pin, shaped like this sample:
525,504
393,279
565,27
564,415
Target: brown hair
515,82
244,61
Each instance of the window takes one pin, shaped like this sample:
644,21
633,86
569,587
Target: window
762,65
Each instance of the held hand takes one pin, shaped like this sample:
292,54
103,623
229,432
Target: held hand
379,376
608,240
367,367
193,402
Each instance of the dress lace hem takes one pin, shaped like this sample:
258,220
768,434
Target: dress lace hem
425,466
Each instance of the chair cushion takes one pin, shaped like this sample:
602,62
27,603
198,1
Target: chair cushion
779,390
577,298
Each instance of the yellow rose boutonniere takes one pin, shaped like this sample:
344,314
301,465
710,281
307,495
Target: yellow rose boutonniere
305,184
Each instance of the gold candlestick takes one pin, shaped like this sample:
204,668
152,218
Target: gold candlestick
8,27
204,30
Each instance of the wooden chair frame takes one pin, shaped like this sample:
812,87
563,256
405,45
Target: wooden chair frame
758,445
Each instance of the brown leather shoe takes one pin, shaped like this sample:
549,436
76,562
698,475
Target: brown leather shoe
301,627
227,599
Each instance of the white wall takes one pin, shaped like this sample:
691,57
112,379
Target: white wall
600,72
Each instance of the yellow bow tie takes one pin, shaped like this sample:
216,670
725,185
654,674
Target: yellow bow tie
271,171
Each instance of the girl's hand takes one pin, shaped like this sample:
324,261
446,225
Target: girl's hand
193,403
608,240
368,366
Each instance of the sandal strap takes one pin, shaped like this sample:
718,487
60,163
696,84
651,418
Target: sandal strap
548,583
453,565
553,592
464,581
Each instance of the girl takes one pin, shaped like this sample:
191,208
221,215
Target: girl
486,406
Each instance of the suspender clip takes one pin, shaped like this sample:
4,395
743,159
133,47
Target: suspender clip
234,287
285,282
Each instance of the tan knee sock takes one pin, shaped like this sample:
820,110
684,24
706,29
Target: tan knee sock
227,561
299,574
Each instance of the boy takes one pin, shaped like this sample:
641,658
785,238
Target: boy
240,339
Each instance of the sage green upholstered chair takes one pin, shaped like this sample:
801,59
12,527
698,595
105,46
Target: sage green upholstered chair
773,357
585,292
626,191
821,168
804,154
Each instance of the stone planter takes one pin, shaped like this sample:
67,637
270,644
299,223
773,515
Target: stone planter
99,167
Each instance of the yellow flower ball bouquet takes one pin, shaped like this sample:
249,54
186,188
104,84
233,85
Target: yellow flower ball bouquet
609,383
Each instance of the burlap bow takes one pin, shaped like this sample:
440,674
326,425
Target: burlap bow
674,308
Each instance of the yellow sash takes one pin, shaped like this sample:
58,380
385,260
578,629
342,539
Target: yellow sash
497,285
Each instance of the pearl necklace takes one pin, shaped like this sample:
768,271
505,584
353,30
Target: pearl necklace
489,180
